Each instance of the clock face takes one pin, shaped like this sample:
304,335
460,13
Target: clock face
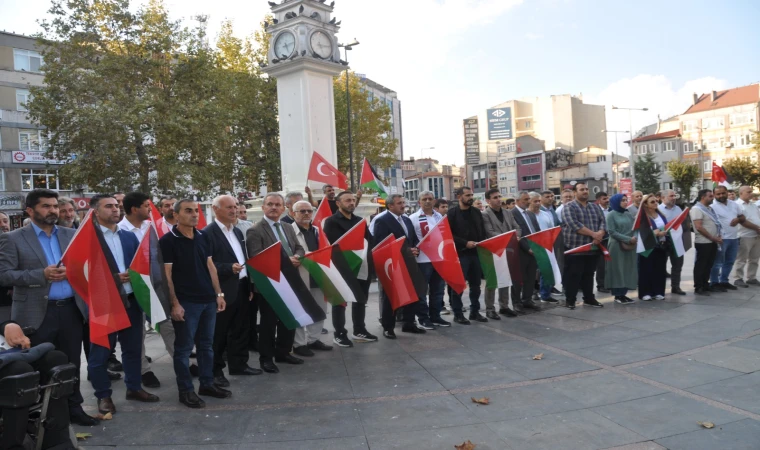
284,45
321,44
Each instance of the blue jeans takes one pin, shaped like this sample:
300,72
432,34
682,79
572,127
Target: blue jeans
435,289
199,324
131,348
545,291
724,261
473,274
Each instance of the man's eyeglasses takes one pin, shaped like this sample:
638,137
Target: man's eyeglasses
305,211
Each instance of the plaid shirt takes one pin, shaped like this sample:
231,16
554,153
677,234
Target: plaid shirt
575,216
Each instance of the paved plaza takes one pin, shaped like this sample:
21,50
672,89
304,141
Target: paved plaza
621,377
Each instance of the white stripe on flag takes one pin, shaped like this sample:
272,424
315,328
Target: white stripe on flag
555,267
291,301
157,313
676,235
340,284
364,268
502,270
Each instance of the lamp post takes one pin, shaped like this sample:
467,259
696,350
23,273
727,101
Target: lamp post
614,172
630,127
422,154
348,47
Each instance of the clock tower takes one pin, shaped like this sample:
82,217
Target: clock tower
304,57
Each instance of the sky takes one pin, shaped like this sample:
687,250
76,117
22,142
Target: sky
451,59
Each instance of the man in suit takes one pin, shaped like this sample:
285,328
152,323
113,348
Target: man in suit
42,298
498,220
397,224
227,248
528,223
265,233
122,245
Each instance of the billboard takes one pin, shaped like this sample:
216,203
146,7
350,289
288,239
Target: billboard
626,187
24,157
471,141
499,123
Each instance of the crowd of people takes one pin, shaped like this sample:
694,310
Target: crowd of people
218,316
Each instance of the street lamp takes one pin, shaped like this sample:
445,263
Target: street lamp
348,47
423,149
614,172
630,127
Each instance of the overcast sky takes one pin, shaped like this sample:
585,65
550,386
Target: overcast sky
450,59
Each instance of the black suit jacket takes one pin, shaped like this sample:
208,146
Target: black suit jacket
388,225
224,257
524,246
459,226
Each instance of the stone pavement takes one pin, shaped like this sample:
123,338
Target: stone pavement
621,377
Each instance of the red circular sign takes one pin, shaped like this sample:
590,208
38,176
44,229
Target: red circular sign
20,157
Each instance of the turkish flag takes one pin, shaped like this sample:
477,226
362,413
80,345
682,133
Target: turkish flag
161,227
201,218
398,272
438,245
322,213
93,274
322,171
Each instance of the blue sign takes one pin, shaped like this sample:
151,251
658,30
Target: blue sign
499,124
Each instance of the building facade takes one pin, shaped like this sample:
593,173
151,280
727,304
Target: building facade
427,174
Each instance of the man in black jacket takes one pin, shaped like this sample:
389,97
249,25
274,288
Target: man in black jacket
528,223
468,229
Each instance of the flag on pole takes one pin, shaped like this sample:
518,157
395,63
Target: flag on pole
492,253
161,226
371,180
355,248
93,274
438,245
321,171
201,217
645,238
329,269
398,272
322,213
591,248
283,288
148,282
720,177
542,244
675,229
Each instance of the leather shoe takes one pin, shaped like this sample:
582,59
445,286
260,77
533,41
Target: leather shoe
303,351
269,367
507,312
411,328
214,391
319,345
289,359
530,305
389,334
247,370
460,319
493,315
142,396
677,291
191,400
221,381
113,376
105,406
477,317
83,419
149,380
114,365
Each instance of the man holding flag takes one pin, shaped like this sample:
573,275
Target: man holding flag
671,211
730,215
707,227
749,240
498,220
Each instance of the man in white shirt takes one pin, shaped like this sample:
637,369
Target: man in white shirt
671,211
749,241
636,198
424,220
567,196
730,215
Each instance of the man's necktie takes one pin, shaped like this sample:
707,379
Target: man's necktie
527,220
282,238
403,227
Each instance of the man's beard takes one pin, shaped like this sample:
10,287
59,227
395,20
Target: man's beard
50,219
348,209
469,202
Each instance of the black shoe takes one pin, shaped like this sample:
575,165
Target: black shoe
113,376
148,358
717,288
288,359
389,334
592,303
556,291
667,275
478,317
619,299
568,305
246,370
149,380
728,286
363,336
628,299
493,315
303,351
602,289
319,345
214,391
82,418
459,318
191,400
114,365
426,325
221,381
549,300
509,313
324,331
530,305
194,371
412,328
269,367
677,291
440,322
342,340
702,292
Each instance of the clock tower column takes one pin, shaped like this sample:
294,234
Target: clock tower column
304,58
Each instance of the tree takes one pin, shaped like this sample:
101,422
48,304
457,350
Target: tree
647,174
744,171
685,176
371,128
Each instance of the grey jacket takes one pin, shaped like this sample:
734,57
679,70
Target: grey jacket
22,263
495,227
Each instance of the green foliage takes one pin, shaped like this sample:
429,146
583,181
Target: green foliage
647,174
744,171
685,176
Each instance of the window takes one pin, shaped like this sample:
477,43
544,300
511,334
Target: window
502,177
652,148
511,162
503,191
707,166
2,179
32,141
713,122
742,119
511,147
42,179
688,148
601,158
22,97
745,140
27,60
502,163
527,124
512,189
690,125
531,178
713,144
669,146
500,149
511,176
668,185
534,160
640,149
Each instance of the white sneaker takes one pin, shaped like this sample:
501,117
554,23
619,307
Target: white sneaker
659,297
647,298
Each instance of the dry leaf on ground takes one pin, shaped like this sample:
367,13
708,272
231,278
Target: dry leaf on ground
707,424
83,436
107,416
481,401
539,357
465,446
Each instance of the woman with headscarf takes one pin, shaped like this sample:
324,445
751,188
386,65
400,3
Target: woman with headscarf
620,273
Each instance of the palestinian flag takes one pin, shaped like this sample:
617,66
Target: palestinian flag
438,246
322,213
201,217
675,229
542,244
720,177
398,272
329,269
355,248
591,248
158,220
283,288
93,274
645,238
148,281
370,180
493,260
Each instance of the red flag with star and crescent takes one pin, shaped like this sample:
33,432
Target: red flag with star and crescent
320,170
398,272
438,245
